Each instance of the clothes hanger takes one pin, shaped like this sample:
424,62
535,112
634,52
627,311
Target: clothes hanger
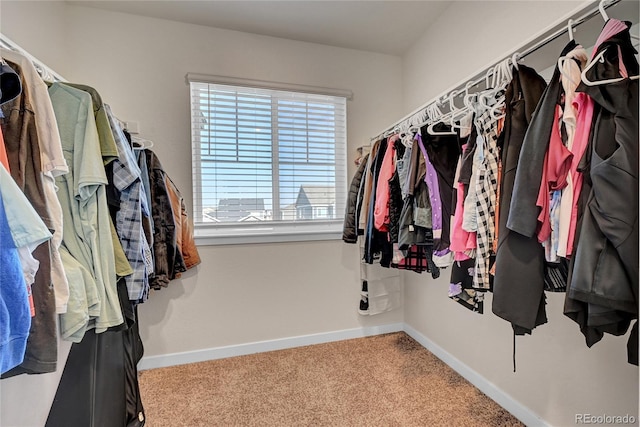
456,113
561,62
603,12
141,143
469,99
391,132
600,58
514,60
437,117
562,58
501,76
570,29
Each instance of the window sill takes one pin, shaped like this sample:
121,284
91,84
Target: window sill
209,239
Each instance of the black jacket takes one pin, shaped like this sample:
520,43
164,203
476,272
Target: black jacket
519,276
523,212
522,220
167,257
443,151
350,231
603,293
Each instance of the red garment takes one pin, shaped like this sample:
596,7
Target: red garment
556,167
461,241
584,106
383,195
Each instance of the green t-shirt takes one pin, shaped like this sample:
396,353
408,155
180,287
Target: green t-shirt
82,194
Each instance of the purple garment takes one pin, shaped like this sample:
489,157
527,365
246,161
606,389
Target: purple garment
431,179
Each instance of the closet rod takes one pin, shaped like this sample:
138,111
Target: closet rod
562,31
481,76
44,71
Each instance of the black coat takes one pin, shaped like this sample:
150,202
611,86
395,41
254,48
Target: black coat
350,230
603,293
521,298
519,276
523,212
443,151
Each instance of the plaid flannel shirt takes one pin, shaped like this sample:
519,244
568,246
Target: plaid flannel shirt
133,204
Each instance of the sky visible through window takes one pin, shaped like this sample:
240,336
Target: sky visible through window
238,158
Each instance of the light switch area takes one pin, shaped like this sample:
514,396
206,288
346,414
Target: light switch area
133,127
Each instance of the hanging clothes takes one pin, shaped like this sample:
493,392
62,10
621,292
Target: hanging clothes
87,225
603,293
109,153
463,243
520,269
187,255
167,257
10,85
23,152
147,221
523,213
53,164
461,286
415,235
20,227
376,241
383,194
555,170
443,152
395,203
517,256
131,207
15,313
350,228
486,182
367,187
572,110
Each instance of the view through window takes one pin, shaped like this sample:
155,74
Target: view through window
267,156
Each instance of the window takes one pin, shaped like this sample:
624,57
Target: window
267,163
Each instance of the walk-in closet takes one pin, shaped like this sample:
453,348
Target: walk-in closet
303,213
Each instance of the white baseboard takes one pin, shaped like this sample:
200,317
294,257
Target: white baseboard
503,399
182,358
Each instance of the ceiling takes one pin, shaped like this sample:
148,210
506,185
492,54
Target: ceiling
389,26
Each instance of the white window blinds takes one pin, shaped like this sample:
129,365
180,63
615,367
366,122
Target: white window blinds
267,161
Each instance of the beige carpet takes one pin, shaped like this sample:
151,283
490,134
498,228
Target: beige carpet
385,380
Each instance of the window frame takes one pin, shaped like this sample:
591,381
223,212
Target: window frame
268,231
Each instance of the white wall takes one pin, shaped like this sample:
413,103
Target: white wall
17,404
557,375
239,294
244,294
469,36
